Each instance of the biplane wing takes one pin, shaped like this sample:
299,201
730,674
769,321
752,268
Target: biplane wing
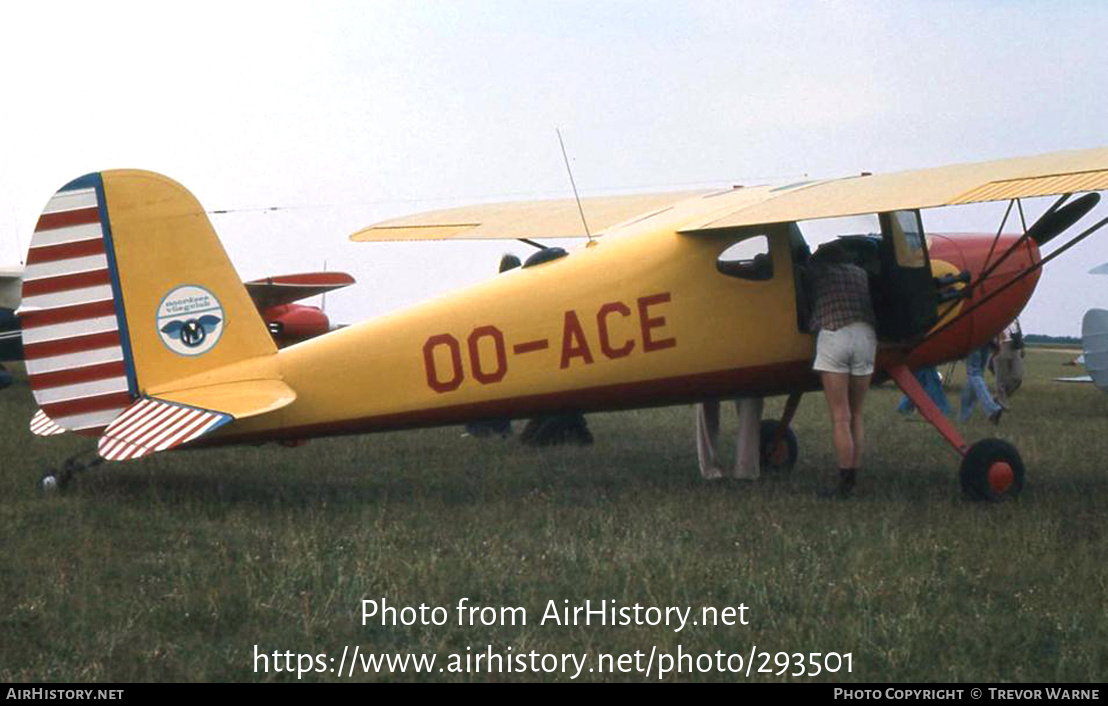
283,289
532,219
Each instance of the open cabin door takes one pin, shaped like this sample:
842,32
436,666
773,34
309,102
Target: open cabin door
906,300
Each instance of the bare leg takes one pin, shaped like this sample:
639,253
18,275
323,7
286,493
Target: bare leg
836,388
859,385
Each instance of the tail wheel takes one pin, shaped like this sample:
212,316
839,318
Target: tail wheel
783,457
992,471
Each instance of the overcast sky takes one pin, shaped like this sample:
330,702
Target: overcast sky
346,113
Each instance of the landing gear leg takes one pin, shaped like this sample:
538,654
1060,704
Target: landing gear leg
991,469
55,480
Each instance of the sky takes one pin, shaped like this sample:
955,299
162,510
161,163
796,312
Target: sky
342,114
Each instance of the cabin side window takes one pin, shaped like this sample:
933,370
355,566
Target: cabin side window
747,259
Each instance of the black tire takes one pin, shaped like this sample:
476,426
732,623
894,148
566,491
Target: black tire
775,461
992,471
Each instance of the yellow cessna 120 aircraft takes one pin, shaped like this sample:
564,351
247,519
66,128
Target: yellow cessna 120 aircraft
137,329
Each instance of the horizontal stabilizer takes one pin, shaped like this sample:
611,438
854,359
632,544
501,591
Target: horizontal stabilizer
173,419
41,425
150,425
240,399
284,289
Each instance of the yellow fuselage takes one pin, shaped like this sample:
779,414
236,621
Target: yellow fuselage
635,319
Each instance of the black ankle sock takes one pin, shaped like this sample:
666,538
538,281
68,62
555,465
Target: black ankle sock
847,476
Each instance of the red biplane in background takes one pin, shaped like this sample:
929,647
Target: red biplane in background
292,323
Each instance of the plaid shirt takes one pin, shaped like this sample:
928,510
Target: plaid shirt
841,297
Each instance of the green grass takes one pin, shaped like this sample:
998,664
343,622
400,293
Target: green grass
175,567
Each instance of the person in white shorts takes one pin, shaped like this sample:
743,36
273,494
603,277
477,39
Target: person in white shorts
842,313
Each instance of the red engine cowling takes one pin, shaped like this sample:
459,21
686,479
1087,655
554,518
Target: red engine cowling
293,323
994,303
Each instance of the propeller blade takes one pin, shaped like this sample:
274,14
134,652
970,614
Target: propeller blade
1057,221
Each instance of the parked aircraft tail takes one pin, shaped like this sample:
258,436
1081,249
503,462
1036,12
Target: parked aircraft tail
1094,339
134,320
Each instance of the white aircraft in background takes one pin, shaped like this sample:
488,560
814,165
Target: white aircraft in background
1094,342
11,345
1094,339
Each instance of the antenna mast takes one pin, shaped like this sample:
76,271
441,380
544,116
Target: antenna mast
573,184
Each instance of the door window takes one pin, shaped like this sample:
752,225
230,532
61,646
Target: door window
747,259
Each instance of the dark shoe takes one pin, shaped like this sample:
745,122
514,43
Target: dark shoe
847,479
994,418
838,483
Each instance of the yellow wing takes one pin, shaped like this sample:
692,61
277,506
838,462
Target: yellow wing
1044,175
530,219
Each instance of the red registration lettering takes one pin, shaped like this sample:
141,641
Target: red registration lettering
602,327
475,354
648,324
574,343
433,381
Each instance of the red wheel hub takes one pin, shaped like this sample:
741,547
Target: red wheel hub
780,454
1001,476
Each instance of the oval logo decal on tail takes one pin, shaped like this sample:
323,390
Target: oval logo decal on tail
190,320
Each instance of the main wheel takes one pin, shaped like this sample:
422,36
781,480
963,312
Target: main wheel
782,458
992,471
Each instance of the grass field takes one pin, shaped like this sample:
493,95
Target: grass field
175,567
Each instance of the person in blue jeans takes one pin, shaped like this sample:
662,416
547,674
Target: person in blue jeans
976,390
929,380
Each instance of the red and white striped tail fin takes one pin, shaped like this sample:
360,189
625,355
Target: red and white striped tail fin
127,289
78,362
151,425
41,425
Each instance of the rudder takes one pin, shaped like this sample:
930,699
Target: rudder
128,290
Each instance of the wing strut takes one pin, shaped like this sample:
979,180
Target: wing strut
1056,220
1000,230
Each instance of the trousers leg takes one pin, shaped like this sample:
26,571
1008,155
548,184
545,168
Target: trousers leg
748,444
707,439
969,399
934,387
981,391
